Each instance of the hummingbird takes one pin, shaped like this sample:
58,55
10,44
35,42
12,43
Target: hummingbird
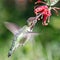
21,35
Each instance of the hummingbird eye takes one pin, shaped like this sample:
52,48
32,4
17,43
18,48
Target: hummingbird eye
34,21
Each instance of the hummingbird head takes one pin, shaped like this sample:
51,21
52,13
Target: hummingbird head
33,20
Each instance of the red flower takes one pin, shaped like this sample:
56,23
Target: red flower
40,1
44,11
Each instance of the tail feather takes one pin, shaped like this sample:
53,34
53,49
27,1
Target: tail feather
10,53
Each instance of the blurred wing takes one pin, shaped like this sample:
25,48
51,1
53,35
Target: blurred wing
33,33
28,36
12,27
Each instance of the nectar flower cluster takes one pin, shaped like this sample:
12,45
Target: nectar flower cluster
44,10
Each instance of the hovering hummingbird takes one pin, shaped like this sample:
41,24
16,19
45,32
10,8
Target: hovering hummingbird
21,35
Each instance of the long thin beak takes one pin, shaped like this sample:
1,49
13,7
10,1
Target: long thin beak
38,16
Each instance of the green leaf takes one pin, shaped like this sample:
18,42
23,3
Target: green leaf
49,2
52,2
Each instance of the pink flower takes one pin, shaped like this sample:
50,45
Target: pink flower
39,1
44,11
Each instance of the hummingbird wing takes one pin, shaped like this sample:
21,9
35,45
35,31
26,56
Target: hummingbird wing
12,27
33,33
28,36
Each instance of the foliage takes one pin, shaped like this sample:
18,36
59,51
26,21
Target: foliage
43,47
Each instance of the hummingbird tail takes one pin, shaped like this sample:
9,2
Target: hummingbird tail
10,53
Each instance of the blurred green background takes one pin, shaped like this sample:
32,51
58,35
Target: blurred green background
43,47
